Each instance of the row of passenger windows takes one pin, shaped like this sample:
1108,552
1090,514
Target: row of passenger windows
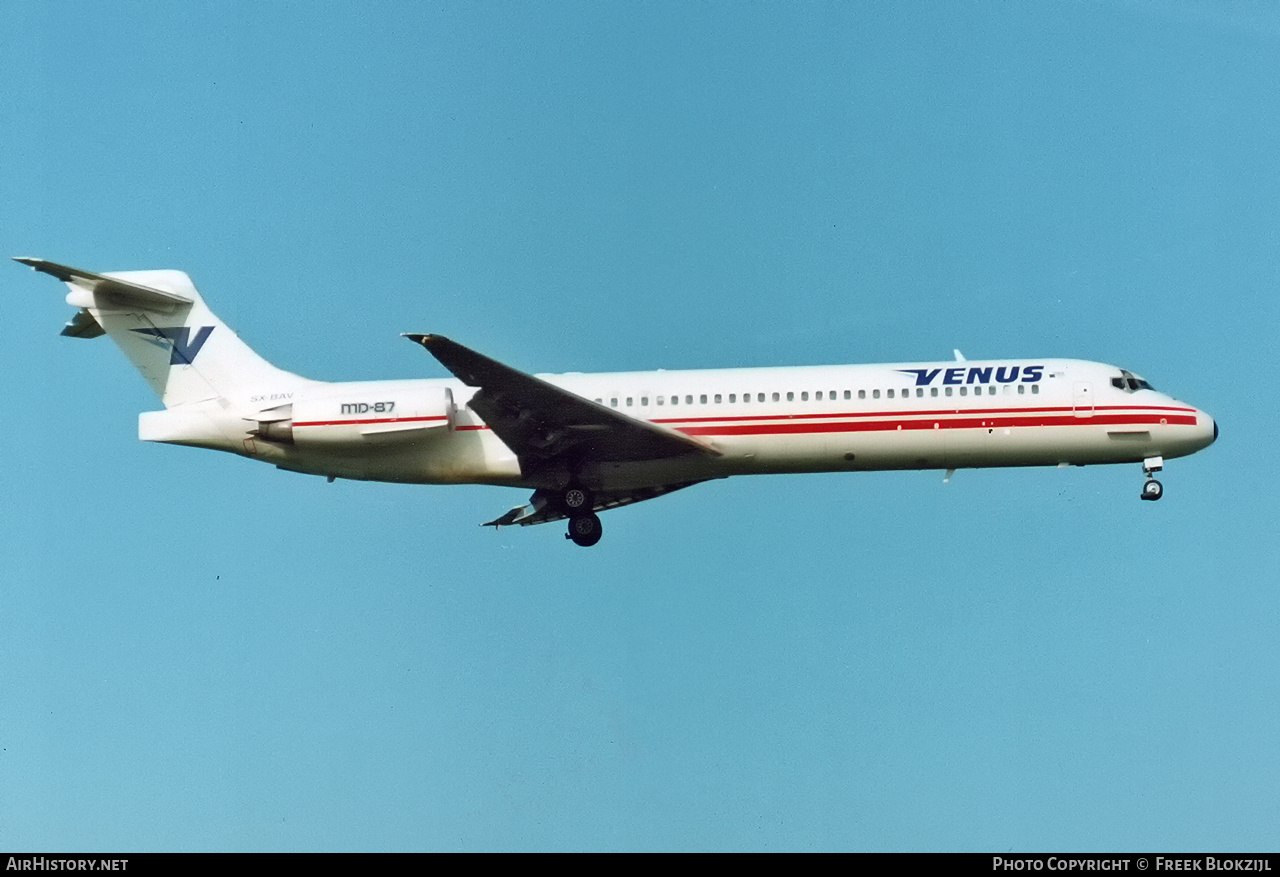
819,395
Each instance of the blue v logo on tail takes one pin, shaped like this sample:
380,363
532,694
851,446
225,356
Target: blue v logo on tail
183,348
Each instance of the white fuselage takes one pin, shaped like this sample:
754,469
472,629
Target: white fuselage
942,415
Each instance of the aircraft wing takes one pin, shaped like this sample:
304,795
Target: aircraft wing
548,425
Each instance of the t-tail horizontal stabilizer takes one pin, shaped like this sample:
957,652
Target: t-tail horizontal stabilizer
115,290
163,326
103,291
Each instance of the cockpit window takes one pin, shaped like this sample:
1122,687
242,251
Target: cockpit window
1129,382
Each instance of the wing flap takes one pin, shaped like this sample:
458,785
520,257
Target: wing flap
542,508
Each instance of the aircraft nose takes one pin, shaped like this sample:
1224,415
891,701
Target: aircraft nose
1210,420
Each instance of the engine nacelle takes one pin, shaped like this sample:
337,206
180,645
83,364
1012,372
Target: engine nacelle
357,414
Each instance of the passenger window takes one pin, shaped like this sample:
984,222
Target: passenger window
875,394
804,396
862,394
717,398
848,395
688,400
791,397
919,392
1022,388
759,397
703,398
818,395
660,398
614,402
644,400
947,391
629,400
775,397
599,401
675,400
933,391
1035,388
964,391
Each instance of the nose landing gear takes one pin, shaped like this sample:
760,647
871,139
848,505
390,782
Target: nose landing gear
1152,489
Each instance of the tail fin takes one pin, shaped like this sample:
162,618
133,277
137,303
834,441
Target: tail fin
162,324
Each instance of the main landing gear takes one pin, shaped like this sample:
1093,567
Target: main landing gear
575,499
1152,489
584,526
584,530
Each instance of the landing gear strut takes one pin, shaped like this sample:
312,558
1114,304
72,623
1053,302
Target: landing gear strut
584,530
1152,489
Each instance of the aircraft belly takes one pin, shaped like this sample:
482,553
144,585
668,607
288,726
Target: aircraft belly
927,446
838,451
1031,446
1082,444
476,456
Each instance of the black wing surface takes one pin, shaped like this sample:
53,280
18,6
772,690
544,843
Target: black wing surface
546,425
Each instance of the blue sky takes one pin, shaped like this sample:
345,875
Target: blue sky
202,653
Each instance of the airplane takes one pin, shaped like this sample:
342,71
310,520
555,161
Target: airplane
586,443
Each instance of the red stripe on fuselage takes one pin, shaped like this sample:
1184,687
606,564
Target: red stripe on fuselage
937,412
872,421
970,420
